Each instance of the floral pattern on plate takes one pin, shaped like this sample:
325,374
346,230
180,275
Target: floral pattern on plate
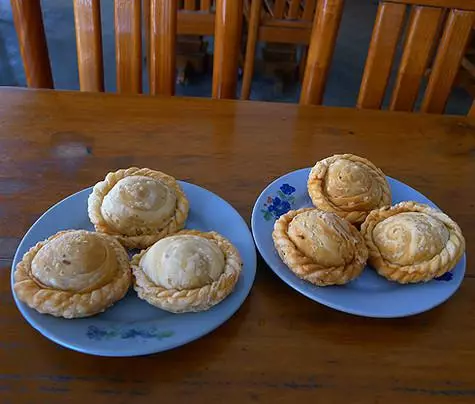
98,334
279,205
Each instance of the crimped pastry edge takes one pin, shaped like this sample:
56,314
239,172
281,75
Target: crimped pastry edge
100,190
191,300
304,267
424,271
317,193
68,304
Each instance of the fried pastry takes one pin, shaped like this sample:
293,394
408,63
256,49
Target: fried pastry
348,185
187,272
320,247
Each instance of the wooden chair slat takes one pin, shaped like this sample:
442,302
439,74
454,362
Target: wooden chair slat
322,44
205,5
195,23
279,7
447,61
386,33
163,23
420,36
308,10
190,5
252,35
32,41
87,19
227,38
294,8
284,35
128,45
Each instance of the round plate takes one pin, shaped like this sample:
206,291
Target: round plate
133,327
368,295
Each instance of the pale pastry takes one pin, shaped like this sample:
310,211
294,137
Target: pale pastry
138,206
411,242
187,272
348,185
320,247
75,273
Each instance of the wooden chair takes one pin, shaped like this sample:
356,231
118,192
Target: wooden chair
196,18
280,21
425,19
163,17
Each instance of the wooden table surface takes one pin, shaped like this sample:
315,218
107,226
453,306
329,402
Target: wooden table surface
280,346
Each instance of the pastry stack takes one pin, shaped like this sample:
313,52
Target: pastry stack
78,273
353,223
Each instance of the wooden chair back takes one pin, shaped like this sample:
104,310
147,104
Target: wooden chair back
280,21
283,21
291,9
436,33
196,17
162,18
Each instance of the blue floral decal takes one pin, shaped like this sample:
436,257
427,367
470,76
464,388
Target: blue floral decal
287,189
445,277
98,334
277,206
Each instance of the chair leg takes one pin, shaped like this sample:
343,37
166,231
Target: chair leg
252,35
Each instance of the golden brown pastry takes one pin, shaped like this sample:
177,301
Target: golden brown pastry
189,271
412,242
75,273
138,206
348,185
320,247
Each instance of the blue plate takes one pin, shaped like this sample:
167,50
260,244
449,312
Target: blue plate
368,295
133,327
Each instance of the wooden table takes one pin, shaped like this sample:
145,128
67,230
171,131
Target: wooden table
280,346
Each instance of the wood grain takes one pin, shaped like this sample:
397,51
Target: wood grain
249,57
163,20
382,49
87,19
446,65
32,41
419,39
320,52
280,346
128,45
227,44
